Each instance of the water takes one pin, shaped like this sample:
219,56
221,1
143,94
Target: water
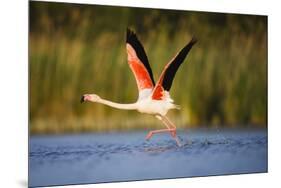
108,157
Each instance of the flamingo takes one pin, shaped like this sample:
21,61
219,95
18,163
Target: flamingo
153,98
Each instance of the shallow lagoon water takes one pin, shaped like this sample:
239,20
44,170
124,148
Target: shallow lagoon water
126,156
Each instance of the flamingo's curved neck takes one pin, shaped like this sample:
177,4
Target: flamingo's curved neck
132,106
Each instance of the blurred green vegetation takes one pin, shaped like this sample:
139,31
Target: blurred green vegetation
76,49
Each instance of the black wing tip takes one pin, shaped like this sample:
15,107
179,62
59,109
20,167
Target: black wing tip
178,60
133,40
131,36
189,45
193,40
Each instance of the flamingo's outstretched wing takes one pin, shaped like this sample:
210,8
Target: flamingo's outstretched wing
166,78
138,62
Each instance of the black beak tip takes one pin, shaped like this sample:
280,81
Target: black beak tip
82,99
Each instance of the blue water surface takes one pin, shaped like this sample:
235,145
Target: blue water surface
125,156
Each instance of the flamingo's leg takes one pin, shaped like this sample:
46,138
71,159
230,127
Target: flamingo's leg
174,133
168,124
170,128
150,134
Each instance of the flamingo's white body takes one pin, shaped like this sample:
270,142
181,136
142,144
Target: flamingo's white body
156,107
153,98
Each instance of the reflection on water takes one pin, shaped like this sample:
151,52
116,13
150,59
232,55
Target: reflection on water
92,158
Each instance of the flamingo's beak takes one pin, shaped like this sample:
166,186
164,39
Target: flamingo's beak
82,99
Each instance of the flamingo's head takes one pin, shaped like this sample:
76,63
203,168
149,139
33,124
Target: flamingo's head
90,97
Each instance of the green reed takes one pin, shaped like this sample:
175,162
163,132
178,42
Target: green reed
81,49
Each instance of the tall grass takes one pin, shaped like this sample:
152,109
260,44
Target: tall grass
76,49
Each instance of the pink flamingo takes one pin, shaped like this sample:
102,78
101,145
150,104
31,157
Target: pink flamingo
153,98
